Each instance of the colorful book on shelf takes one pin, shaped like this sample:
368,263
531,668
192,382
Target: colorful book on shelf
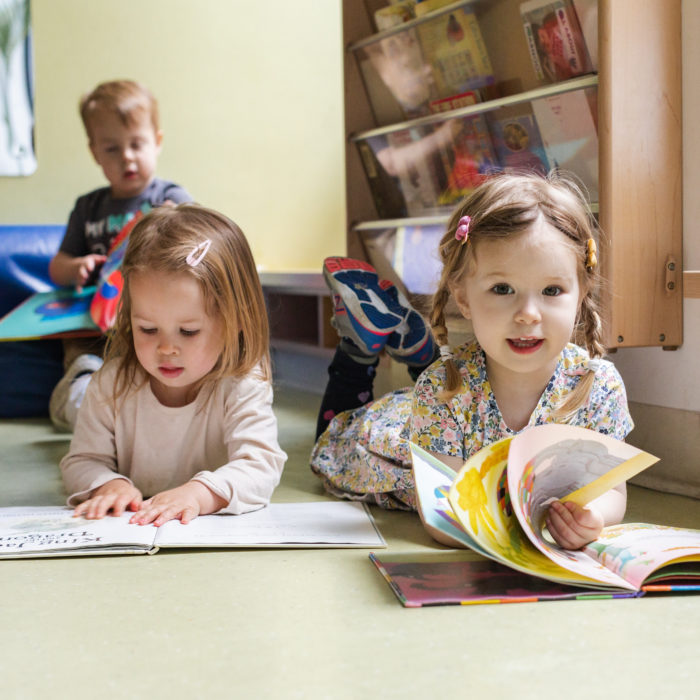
516,140
496,506
454,47
555,40
568,129
67,312
53,532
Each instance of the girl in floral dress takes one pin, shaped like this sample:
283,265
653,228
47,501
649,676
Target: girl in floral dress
519,260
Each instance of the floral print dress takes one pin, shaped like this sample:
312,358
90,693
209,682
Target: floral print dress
363,455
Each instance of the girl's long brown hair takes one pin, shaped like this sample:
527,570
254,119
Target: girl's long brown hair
227,276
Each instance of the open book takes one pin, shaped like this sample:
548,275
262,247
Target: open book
499,512
53,532
68,313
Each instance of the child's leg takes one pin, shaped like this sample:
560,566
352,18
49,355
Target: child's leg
369,315
80,362
350,383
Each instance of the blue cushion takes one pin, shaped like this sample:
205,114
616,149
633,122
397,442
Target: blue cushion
25,253
29,370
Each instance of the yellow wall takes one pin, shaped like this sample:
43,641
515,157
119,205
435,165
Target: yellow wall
250,94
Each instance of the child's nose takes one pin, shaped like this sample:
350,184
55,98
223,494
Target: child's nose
167,347
528,311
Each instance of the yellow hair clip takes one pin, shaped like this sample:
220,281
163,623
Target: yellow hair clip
591,259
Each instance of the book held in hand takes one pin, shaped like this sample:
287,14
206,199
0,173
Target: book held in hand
53,532
497,503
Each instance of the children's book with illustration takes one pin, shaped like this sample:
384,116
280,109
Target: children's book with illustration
67,312
516,139
555,40
53,531
496,506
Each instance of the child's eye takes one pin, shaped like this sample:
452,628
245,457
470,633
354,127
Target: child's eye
188,333
552,291
147,331
502,288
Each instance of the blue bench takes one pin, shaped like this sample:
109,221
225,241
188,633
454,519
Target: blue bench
29,369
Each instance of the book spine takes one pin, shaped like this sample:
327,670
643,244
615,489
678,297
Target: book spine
569,34
532,50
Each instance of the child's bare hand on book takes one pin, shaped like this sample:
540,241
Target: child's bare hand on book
573,526
112,498
183,503
85,266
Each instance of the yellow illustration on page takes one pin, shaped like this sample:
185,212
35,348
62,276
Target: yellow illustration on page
478,499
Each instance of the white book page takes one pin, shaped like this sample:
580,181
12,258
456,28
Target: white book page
317,523
53,528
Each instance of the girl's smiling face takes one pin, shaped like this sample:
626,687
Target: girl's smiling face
176,341
522,295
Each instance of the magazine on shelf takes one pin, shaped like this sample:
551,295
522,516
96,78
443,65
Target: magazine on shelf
516,139
569,135
454,47
555,40
52,531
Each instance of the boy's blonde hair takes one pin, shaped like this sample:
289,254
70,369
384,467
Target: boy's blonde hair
226,274
124,98
506,205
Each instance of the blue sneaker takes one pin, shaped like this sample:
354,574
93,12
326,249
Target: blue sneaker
360,311
411,341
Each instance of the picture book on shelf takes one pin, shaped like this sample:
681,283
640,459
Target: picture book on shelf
496,505
52,531
568,129
555,40
516,139
454,47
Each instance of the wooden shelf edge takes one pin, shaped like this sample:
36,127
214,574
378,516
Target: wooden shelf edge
691,284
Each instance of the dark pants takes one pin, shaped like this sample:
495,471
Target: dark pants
350,385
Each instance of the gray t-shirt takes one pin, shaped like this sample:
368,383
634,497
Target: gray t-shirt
97,217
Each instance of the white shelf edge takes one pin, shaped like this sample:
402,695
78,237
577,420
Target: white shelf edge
586,81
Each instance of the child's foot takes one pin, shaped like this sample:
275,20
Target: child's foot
411,342
360,305
69,392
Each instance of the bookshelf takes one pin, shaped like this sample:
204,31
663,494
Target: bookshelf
635,99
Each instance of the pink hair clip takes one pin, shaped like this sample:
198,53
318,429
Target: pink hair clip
462,232
198,253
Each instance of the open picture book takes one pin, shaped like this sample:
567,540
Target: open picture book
52,531
496,506
67,312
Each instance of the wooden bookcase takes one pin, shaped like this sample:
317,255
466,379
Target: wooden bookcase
639,136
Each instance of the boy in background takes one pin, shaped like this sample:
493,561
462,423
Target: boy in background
121,122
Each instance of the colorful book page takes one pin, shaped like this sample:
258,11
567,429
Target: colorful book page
420,579
550,462
481,501
433,479
638,550
56,313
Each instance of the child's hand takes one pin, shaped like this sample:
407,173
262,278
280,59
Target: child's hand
114,497
84,267
572,526
183,503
